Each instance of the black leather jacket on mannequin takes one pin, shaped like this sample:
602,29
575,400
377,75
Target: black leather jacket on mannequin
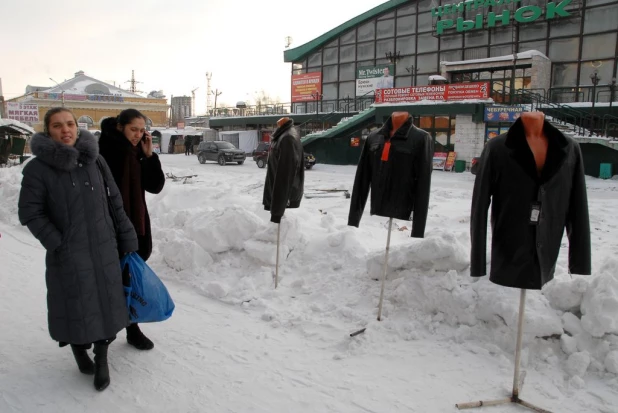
285,175
524,255
399,186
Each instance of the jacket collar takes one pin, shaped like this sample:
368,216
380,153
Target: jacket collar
282,129
64,157
522,154
401,133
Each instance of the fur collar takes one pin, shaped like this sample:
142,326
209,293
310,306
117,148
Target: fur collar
64,157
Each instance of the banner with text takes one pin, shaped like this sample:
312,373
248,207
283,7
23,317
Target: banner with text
304,85
458,91
368,79
502,113
22,112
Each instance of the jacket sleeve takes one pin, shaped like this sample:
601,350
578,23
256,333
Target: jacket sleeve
423,187
360,190
125,232
286,168
481,199
32,211
578,222
153,178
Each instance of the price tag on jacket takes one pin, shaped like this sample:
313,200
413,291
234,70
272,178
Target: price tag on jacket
535,213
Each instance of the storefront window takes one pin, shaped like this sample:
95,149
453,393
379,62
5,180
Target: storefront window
386,28
403,11
495,51
561,50
365,50
502,34
299,65
347,71
347,53
601,19
426,122
427,43
403,81
315,59
442,122
425,22
427,63
331,56
540,46
533,31
329,91
564,74
329,73
367,63
604,70
451,56
451,42
479,53
348,38
367,31
562,27
403,66
385,46
406,45
390,15
424,5
347,89
598,2
476,38
441,142
599,46
406,25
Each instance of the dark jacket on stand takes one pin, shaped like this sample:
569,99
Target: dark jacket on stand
63,201
524,255
285,175
134,174
399,186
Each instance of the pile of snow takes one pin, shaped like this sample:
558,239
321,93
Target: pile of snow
212,234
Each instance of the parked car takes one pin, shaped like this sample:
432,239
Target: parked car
260,156
221,152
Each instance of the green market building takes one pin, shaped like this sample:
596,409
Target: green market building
558,56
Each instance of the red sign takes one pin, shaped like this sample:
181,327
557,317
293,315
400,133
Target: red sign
304,85
459,91
354,142
450,161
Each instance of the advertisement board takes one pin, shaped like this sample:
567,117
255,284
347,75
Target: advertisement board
502,113
22,112
458,91
304,85
368,79
450,161
439,160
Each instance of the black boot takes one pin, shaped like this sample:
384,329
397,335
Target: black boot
84,363
137,339
101,370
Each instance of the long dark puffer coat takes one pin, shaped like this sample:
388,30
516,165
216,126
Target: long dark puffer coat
63,201
114,147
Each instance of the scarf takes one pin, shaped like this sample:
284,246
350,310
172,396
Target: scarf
131,189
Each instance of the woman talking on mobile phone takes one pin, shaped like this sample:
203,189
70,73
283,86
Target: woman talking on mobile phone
127,148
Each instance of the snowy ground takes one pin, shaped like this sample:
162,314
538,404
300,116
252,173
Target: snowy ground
234,344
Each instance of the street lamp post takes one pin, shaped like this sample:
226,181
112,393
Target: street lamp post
612,90
317,96
594,77
62,93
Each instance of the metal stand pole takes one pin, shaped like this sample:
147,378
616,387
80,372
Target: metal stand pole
277,265
515,396
385,268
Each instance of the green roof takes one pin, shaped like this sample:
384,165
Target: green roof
342,126
300,52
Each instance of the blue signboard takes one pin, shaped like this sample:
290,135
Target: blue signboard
502,113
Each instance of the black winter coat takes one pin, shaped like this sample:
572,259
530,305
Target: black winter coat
114,146
285,176
399,186
63,201
524,255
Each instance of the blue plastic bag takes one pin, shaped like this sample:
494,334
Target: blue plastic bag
148,300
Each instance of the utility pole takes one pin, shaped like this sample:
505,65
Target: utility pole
1,101
193,101
208,90
217,94
62,94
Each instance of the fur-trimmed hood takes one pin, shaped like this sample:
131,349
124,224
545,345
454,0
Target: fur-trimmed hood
64,157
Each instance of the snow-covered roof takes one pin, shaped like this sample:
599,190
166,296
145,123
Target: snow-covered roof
82,84
509,57
436,77
17,125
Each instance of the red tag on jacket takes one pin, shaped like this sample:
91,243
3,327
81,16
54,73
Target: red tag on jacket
386,151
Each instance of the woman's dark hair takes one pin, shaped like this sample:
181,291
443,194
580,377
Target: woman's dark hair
126,116
51,113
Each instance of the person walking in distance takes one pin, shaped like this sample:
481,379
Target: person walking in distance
67,199
127,147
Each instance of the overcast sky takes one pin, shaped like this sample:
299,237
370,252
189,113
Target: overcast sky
170,44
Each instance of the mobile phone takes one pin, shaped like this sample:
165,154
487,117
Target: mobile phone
144,136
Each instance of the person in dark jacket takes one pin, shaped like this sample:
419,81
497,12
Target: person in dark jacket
64,203
188,150
400,184
529,211
127,147
285,176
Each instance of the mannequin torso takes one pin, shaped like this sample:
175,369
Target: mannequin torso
398,119
537,141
